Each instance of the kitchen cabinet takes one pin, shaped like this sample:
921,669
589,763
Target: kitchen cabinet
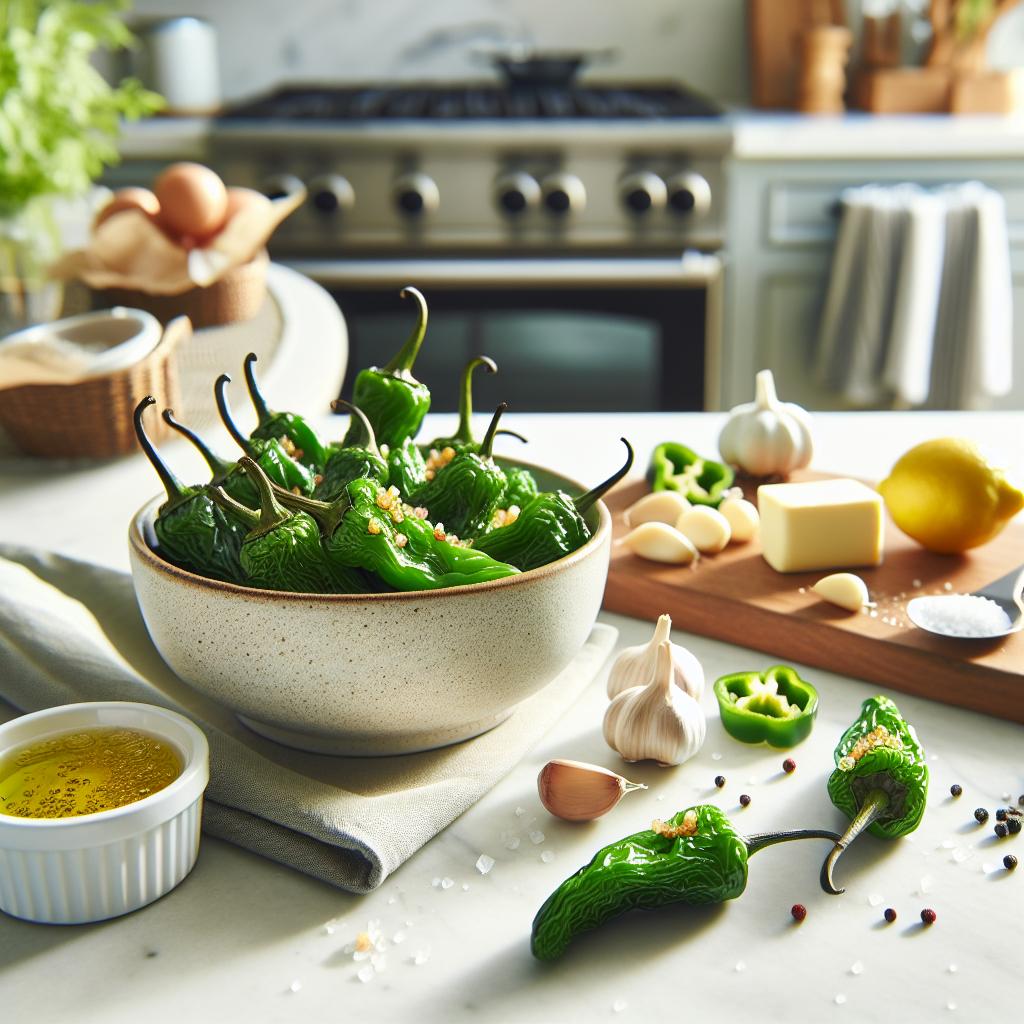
779,237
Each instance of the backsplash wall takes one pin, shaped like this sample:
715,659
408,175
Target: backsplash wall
265,42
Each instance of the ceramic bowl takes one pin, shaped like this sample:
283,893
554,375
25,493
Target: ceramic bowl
373,674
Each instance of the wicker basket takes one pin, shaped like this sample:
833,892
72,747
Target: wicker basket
93,418
238,295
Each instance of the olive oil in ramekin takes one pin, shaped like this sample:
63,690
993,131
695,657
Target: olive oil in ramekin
85,771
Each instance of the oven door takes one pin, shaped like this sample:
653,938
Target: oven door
568,334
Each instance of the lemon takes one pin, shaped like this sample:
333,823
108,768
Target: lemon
947,497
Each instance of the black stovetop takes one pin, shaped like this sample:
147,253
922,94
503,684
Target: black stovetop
476,103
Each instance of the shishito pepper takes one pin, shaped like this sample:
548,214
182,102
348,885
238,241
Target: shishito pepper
674,467
282,549
520,489
394,401
371,528
880,780
407,469
465,495
696,857
463,436
549,526
308,448
775,706
191,531
271,455
360,458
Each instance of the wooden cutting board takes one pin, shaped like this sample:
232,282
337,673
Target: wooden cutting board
737,597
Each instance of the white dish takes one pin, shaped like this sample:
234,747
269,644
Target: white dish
97,866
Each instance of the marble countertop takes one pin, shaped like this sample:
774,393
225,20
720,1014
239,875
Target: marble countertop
245,939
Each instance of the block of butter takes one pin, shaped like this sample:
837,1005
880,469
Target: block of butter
822,524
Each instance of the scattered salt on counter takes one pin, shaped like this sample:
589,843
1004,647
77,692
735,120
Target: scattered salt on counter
365,974
857,967
447,883
740,966
962,615
484,863
295,986
840,999
547,856
512,844
537,837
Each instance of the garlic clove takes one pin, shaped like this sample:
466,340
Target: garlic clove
845,589
743,518
635,666
576,791
659,507
660,542
658,722
706,527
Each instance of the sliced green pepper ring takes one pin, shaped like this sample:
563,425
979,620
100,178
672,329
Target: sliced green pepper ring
674,467
775,706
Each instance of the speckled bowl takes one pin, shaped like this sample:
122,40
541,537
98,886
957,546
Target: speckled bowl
373,674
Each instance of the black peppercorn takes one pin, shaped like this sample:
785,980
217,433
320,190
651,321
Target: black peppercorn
1001,830
981,815
789,766
1009,862
890,915
744,799
928,916
956,789
1013,825
1001,814
719,781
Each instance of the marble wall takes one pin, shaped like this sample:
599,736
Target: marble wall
264,42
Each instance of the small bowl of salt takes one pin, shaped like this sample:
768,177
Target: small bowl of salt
995,611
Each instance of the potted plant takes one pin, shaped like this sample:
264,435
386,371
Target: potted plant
59,121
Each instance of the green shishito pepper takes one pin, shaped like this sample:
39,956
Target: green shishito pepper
465,496
394,401
191,531
880,780
361,458
674,467
272,426
273,459
521,487
407,469
776,706
282,549
372,529
549,526
696,857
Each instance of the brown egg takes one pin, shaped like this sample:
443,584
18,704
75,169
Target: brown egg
193,201
129,199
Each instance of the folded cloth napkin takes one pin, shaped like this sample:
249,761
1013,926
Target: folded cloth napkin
918,308
71,631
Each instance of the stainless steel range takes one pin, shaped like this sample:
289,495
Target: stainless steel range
539,202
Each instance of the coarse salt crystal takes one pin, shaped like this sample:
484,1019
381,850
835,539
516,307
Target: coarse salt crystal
619,1005
484,863
328,929
379,962
959,855
926,885
447,883
947,844
420,957
520,811
513,843
716,756
857,967
740,966
295,986
874,899
951,1005
465,886
537,837
398,938
365,974
840,999
436,883
952,968
965,615
547,856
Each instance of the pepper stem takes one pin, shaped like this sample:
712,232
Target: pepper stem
368,439
258,401
465,431
875,803
584,501
328,516
488,442
218,467
401,363
172,485
220,393
243,512
762,839
272,514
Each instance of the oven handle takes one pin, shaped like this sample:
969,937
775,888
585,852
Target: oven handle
691,270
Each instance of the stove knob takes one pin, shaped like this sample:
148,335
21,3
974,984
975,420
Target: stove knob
563,193
689,193
642,192
331,193
415,194
516,193
277,186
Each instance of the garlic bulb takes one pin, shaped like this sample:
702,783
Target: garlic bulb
706,527
742,515
658,722
845,589
576,791
635,666
660,542
767,437
657,507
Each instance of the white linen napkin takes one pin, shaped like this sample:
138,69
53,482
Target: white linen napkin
71,631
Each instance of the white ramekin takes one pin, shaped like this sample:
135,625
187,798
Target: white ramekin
88,868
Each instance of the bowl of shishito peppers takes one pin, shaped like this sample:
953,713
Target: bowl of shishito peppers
307,579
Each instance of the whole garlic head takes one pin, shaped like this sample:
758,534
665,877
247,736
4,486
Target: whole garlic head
635,666
658,722
767,437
